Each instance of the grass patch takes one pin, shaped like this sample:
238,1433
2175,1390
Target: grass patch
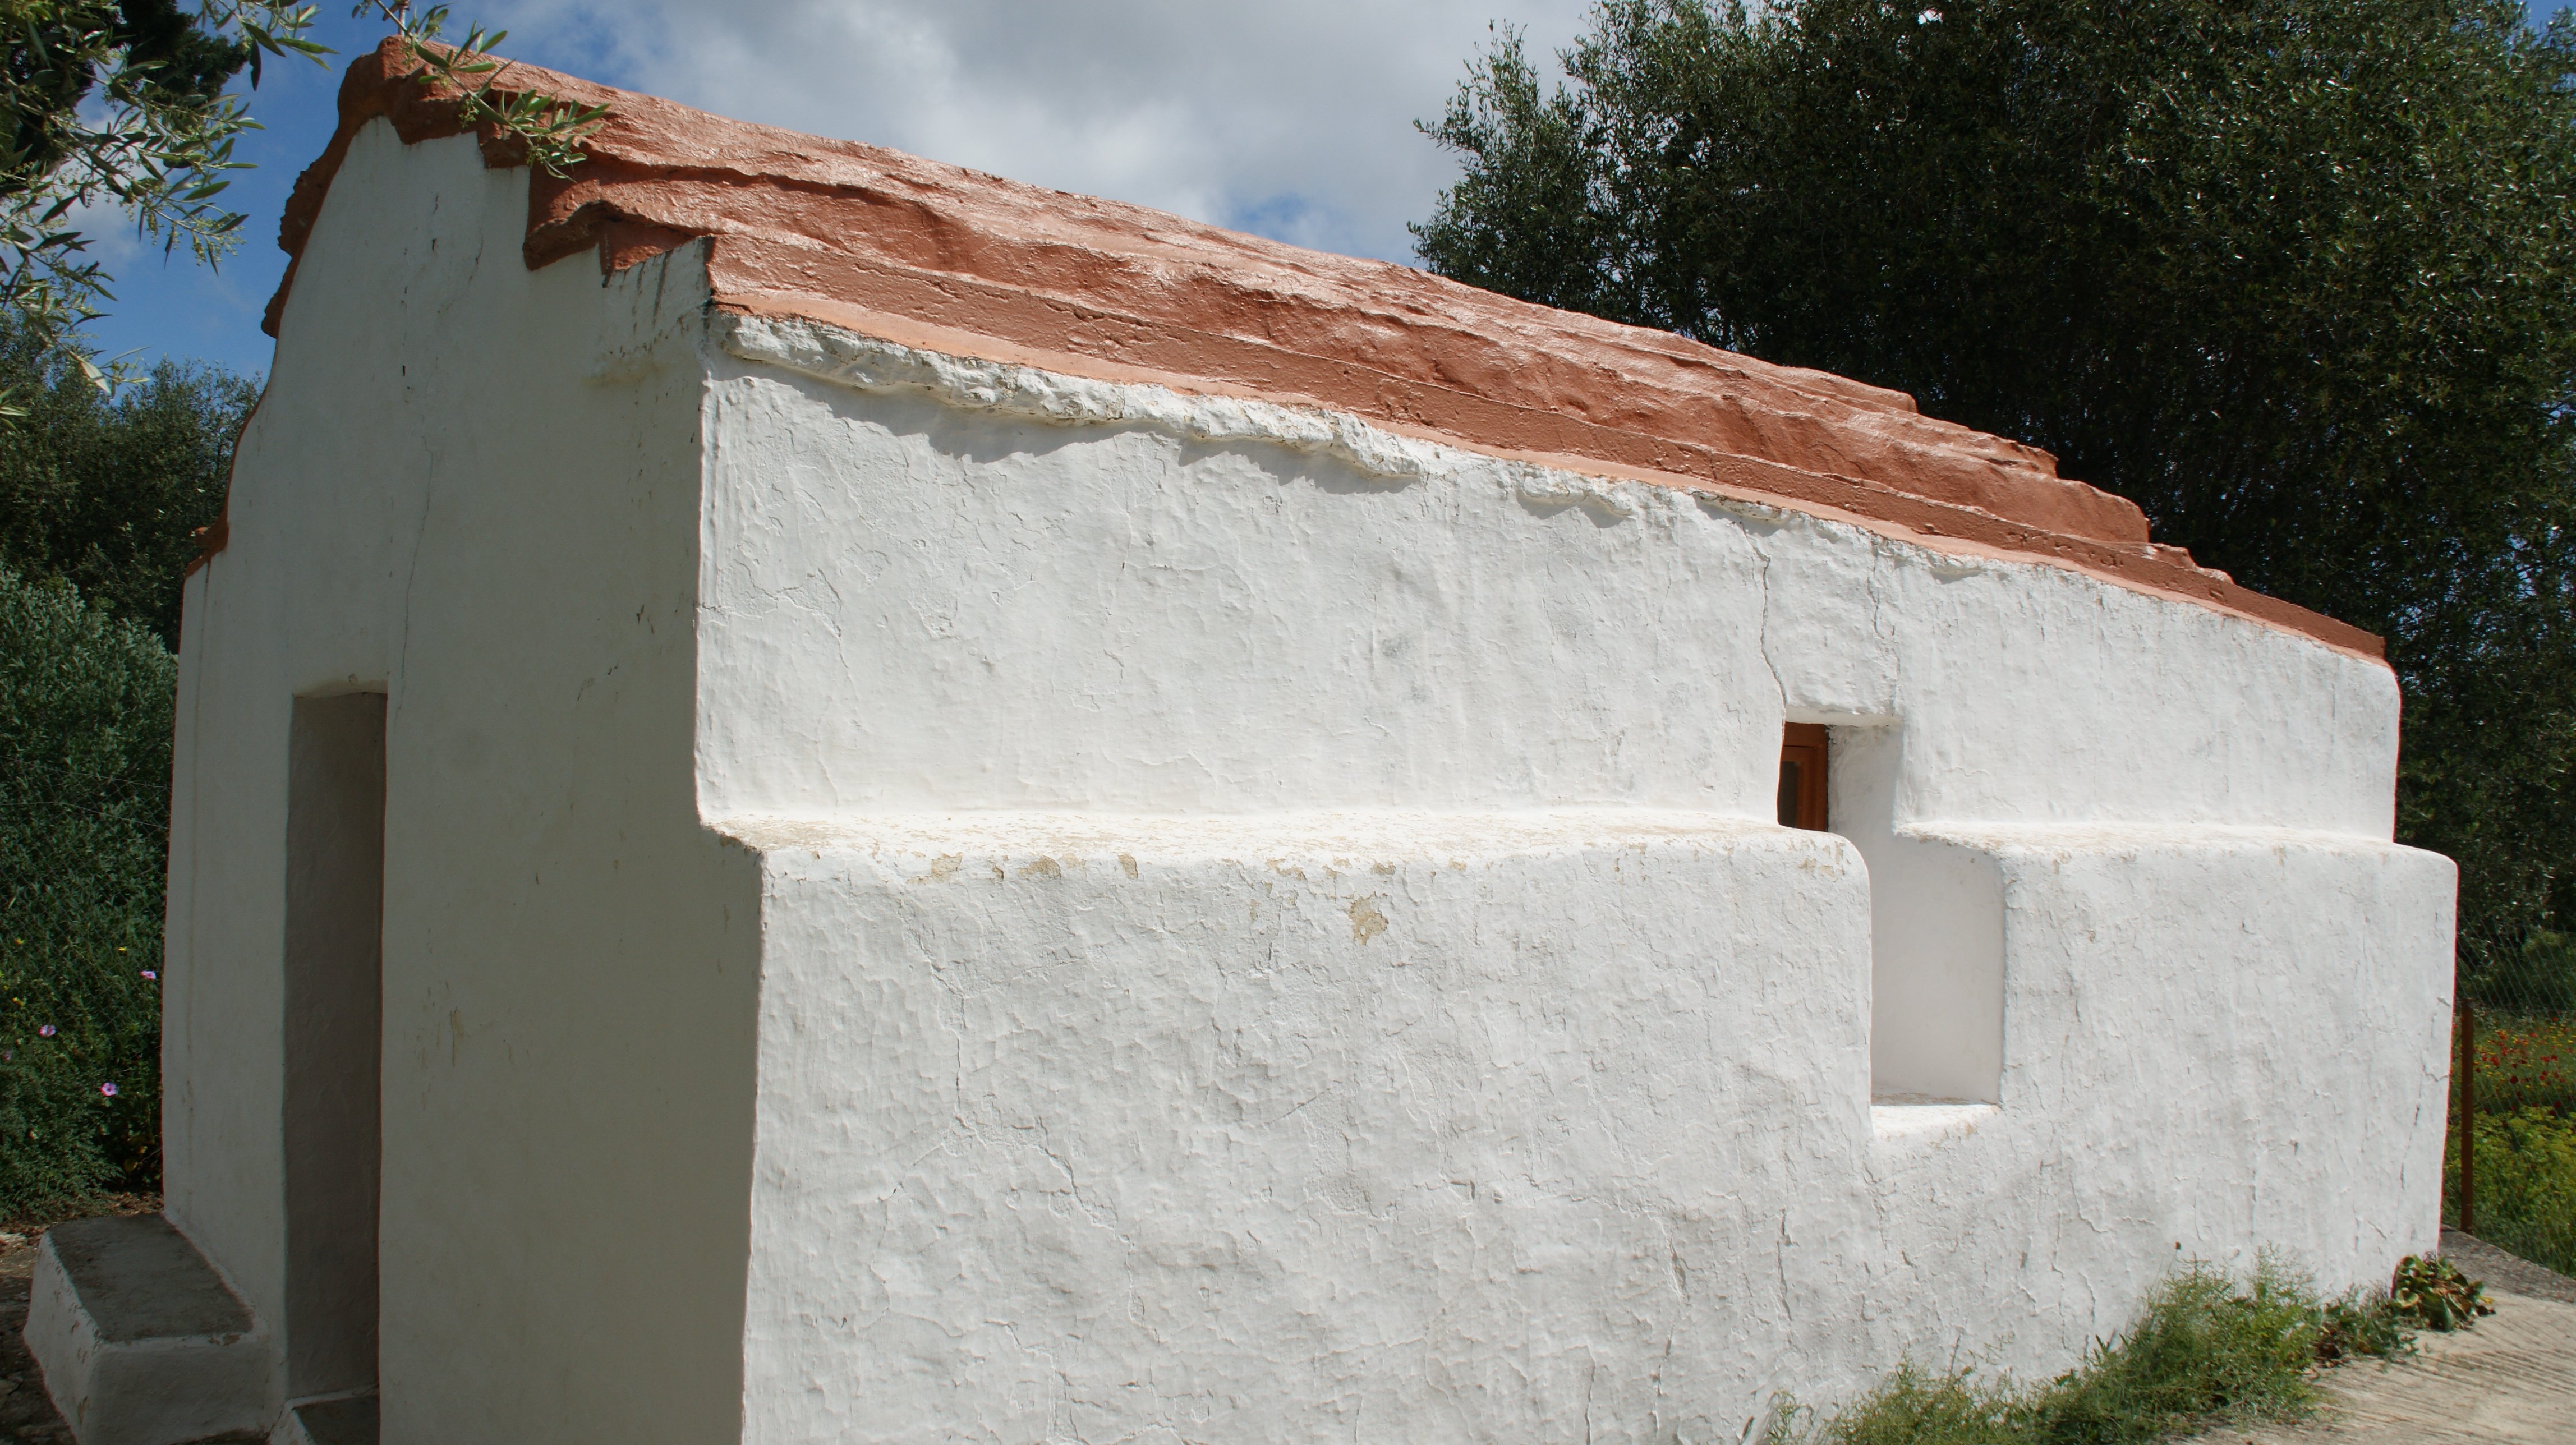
2207,1351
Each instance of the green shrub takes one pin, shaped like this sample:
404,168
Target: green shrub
2205,1351
85,717
2527,1185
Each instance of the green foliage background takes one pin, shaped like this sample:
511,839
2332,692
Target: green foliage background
84,818
99,497
2297,276
108,492
2527,1184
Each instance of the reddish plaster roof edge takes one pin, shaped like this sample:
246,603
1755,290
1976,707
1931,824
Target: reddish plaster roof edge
1936,526
837,231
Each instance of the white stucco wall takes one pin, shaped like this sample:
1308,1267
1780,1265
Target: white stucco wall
2216,1040
994,604
935,901
1273,930
1303,1128
476,488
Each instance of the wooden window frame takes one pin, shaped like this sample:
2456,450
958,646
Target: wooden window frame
1802,776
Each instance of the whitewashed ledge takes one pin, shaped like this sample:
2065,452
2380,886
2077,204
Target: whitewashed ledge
1905,1120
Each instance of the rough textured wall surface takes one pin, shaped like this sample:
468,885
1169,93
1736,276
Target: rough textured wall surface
934,899
1311,1127
1272,929
475,488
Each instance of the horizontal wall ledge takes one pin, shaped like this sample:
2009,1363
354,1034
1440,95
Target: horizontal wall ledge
1354,838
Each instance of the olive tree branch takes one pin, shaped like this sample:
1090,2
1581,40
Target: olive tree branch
90,117
552,128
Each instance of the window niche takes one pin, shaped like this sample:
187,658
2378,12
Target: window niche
1936,919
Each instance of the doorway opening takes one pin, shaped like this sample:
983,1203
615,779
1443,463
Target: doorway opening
334,1036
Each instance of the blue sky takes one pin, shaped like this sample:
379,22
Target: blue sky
1293,121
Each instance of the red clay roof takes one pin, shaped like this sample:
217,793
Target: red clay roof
967,263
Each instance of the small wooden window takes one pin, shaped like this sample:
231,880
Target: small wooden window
1802,776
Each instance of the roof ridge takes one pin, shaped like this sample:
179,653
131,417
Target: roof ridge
832,229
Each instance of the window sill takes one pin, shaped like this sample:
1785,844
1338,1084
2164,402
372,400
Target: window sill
1907,1119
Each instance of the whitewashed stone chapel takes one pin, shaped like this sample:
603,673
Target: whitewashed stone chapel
826,798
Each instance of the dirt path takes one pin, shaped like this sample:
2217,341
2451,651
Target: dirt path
2511,1273
2510,1381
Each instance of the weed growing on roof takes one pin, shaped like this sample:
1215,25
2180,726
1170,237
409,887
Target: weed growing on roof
2206,1351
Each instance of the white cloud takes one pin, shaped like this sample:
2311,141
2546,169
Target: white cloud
113,240
1292,120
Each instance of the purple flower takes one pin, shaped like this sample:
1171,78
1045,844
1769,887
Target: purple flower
45,1030
148,973
109,1089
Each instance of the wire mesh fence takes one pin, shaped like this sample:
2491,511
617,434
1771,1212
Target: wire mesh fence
2511,1171
2525,1008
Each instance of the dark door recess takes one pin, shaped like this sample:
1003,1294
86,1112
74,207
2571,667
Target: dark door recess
334,1038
